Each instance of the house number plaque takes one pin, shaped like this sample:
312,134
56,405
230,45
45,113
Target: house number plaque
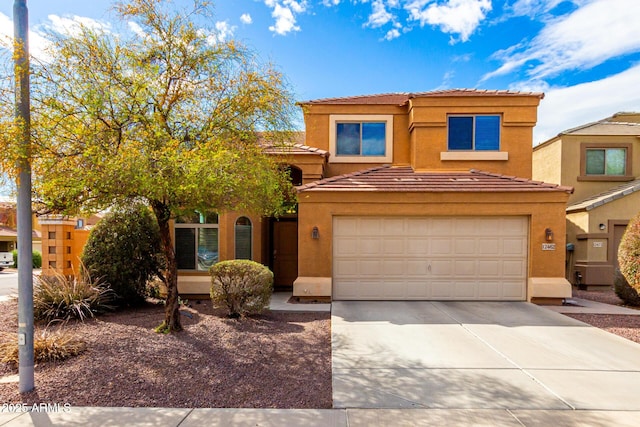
548,246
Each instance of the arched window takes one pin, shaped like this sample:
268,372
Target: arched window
295,174
243,238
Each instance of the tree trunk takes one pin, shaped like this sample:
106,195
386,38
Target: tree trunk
171,311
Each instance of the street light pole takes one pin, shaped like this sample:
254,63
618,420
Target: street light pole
25,267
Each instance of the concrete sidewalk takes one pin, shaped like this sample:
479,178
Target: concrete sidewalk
159,417
578,305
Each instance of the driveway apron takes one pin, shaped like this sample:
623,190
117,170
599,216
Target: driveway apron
477,355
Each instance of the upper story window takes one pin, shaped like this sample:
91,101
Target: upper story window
474,132
196,240
605,162
362,138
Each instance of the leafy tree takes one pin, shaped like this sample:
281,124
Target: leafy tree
629,253
123,251
168,113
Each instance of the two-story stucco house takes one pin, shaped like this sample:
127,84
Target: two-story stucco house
601,160
403,196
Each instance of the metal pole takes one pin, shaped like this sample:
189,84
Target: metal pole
25,267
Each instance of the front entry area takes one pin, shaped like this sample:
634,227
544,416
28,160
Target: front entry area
284,252
430,258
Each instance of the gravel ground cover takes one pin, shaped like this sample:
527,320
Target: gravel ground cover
625,326
276,360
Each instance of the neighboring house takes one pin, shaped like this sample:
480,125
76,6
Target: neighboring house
9,232
601,160
401,196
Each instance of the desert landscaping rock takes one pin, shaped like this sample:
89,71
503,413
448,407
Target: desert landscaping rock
276,360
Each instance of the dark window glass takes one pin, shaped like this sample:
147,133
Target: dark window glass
243,238
460,133
481,133
373,139
487,135
348,139
185,248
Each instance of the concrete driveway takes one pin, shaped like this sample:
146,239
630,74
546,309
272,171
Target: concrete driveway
477,355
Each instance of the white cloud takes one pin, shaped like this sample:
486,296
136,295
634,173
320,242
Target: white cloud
590,35
224,31
458,17
379,15
568,107
330,3
393,33
245,18
136,29
532,7
72,25
284,15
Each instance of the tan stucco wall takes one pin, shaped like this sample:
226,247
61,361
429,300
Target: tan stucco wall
546,162
318,208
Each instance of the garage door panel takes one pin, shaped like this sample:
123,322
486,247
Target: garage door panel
370,246
514,268
465,246
441,290
440,246
467,258
489,246
393,226
394,246
346,246
465,267
515,247
417,246
464,290
418,289
513,290
489,268
417,267
393,268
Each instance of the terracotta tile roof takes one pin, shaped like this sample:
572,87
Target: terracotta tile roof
288,149
605,197
401,98
404,179
605,127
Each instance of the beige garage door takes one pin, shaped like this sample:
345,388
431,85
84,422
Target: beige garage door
423,258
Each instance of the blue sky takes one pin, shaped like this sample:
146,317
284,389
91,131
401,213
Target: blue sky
583,54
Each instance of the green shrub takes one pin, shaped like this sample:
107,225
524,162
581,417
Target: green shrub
624,291
243,286
58,297
124,251
36,259
629,253
47,347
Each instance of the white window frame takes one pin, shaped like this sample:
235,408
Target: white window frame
334,119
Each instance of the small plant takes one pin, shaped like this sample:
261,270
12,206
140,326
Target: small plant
624,291
47,347
58,297
243,286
